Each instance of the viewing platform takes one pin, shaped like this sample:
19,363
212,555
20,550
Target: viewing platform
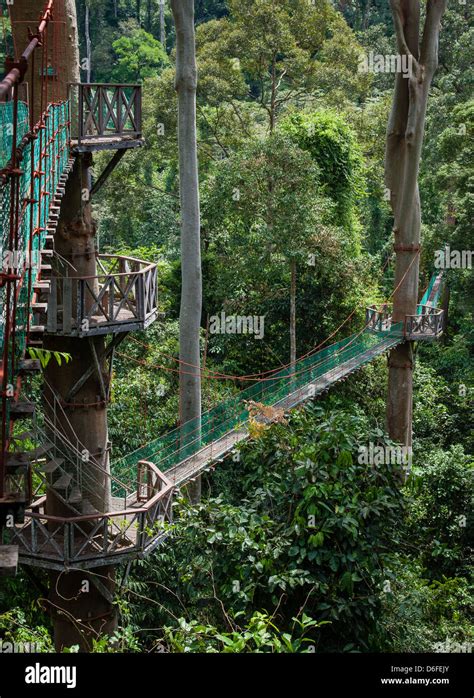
122,298
427,324
105,117
138,522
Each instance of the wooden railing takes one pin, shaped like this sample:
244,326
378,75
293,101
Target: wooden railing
122,298
427,324
378,319
93,540
105,111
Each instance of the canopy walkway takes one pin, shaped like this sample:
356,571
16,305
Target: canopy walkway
194,446
42,468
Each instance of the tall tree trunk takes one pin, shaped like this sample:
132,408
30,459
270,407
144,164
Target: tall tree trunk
162,24
402,159
293,316
88,43
148,15
191,290
273,96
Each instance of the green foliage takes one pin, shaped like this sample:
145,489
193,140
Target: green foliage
138,56
15,629
44,356
419,615
263,208
333,146
260,635
440,517
299,524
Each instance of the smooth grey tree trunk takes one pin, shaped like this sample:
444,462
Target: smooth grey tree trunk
293,317
191,291
402,160
162,24
88,43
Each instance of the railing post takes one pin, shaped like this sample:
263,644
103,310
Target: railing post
81,133
118,104
138,111
105,534
100,105
140,300
34,537
111,284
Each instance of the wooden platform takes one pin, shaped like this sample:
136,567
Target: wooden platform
98,143
130,530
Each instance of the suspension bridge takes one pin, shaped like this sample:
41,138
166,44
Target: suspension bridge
41,296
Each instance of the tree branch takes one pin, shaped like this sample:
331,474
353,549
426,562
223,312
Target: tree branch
429,45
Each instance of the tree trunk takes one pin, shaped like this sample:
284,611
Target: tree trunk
191,291
293,317
162,24
272,108
402,159
88,44
148,15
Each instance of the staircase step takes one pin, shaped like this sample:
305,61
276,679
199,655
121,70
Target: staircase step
22,410
29,366
42,286
63,482
20,458
88,508
51,465
39,307
75,497
37,329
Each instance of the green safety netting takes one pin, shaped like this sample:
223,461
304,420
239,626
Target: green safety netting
431,295
174,447
6,128
53,140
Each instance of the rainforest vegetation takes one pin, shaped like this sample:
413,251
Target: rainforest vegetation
296,546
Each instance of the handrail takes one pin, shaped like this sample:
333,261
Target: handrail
149,267
103,84
106,515
17,73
